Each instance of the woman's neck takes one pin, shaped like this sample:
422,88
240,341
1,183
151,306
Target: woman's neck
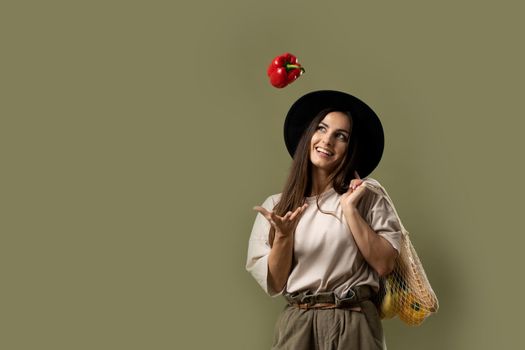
319,183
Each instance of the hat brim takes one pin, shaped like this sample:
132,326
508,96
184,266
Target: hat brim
371,136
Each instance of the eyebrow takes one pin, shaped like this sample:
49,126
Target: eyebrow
343,130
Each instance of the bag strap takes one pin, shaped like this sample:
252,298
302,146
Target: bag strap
377,188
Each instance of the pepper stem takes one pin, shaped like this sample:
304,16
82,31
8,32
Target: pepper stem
289,67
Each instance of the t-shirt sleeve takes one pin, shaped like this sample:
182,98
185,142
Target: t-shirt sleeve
382,218
259,249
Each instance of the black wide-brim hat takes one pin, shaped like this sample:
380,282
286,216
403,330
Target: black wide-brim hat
366,124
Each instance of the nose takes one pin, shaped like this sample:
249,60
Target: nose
327,139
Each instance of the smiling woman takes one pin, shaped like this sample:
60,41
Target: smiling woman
329,144
324,241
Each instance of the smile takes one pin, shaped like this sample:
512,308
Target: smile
324,151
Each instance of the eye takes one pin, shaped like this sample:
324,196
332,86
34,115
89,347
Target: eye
341,136
321,128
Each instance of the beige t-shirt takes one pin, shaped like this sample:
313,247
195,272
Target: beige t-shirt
326,257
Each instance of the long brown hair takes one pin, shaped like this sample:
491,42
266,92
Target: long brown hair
299,182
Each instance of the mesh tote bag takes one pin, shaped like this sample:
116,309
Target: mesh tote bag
406,291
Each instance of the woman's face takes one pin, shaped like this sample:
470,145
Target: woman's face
330,141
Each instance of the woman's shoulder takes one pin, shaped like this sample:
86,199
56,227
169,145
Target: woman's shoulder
374,185
372,182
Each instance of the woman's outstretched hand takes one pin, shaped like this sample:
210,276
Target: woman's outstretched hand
281,241
356,190
286,224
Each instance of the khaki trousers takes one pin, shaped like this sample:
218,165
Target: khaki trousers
329,329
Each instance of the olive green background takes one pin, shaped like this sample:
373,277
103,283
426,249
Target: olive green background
136,136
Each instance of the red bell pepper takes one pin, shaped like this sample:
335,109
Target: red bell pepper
284,70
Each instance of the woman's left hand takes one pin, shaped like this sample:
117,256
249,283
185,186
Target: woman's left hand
356,190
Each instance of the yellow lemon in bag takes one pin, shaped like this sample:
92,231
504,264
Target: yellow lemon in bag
388,307
412,312
390,302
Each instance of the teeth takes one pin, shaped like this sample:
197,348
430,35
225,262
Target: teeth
324,151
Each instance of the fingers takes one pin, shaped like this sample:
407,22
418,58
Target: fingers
355,183
287,216
276,220
264,212
359,192
269,215
274,217
298,211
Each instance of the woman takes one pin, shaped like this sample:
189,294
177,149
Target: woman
326,239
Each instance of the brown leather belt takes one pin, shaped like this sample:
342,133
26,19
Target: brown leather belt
329,300
325,306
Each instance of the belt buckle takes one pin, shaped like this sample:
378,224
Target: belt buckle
303,301
350,298
353,292
308,299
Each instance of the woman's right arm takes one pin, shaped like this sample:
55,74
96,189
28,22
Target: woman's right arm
280,259
270,250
